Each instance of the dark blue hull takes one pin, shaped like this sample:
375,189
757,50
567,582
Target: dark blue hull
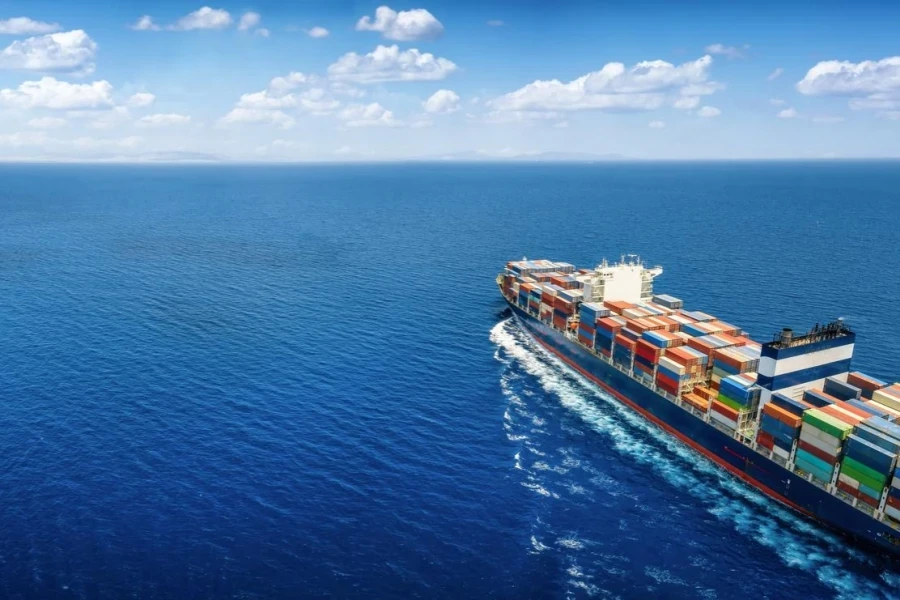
742,461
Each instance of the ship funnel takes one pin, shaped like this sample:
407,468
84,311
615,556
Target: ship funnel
787,334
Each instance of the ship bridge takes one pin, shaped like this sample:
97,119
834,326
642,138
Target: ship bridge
628,280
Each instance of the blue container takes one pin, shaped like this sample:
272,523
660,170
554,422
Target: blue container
631,335
784,443
811,467
816,399
604,333
870,492
815,461
670,374
873,436
727,368
643,361
841,390
870,455
789,404
868,407
775,427
889,429
692,331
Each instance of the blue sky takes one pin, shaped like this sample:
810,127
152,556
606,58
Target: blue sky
312,81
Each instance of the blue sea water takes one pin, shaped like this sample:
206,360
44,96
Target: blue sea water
283,382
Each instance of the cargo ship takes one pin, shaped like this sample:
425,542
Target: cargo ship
788,416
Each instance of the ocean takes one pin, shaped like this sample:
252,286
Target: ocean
266,382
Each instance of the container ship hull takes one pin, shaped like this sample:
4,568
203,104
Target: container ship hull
740,460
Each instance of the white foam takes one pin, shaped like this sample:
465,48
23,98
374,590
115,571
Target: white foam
570,542
537,545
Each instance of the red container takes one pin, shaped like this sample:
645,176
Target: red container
850,408
847,489
816,452
638,366
605,352
850,419
867,499
618,306
587,341
683,357
663,379
559,322
765,440
894,501
586,329
647,350
724,410
609,324
623,341
666,387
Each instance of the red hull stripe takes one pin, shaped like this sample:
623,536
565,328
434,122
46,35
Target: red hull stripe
663,425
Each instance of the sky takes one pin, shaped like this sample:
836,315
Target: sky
275,81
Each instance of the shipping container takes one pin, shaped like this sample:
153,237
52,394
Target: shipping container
841,390
867,384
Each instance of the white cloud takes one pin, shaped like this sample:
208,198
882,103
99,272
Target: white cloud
844,78
647,85
788,113
709,111
403,26
71,51
289,82
262,32
256,115
721,49
47,123
367,115
163,120
203,18
520,116
106,119
775,74
49,92
26,26
442,101
686,103
828,119
871,85
656,124
141,100
317,32
388,63
145,23
893,115
495,23
249,20
343,89
777,102
23,138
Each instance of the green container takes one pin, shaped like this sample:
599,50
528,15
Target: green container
729,402
870,473
827,423
862,478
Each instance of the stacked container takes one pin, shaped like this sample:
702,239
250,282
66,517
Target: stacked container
671,376
841,390
618,306
779,425
662,339
888,396
698,316
668,301
821,441
866,469
734,360
606,329
739,392
562,310
692,360
623,351
867,384
646,356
